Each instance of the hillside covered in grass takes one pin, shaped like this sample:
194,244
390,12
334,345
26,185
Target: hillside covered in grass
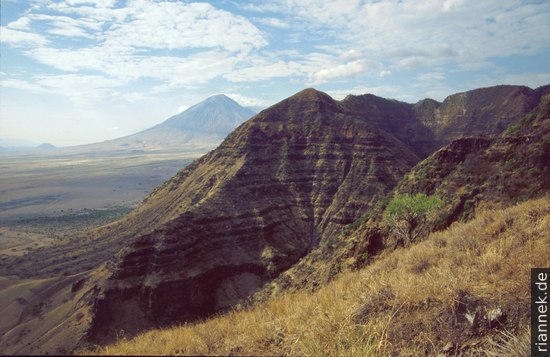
465,289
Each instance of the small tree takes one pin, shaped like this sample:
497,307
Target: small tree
406,212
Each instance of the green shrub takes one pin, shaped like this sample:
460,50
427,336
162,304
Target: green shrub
406,212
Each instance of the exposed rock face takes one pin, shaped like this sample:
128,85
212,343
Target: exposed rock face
273,189
470,170
398,118
484,111
428,125
501,170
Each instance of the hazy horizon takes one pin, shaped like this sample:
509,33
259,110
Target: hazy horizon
76,72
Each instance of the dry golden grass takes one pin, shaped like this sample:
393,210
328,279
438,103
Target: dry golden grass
406,303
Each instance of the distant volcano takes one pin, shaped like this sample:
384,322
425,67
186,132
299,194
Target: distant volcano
202,126
217,115
46,146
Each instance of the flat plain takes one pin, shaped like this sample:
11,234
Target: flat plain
48,197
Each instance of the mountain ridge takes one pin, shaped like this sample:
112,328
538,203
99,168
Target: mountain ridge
270,192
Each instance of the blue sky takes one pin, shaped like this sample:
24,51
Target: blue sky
78,71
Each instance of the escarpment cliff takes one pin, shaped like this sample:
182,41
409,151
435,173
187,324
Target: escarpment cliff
294,174
471,171
514,166
484,111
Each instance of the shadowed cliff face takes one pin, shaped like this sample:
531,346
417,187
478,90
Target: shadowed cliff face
274,188
468,172
398,118
428,125
502,170
484,111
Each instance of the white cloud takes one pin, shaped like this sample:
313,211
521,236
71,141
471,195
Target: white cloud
272,22
187,71
431,77
248,101
65,29
166,25
450,4
175,25
97,3
21,38
69,27
81,89
436,32
21,85
350,55
259,69
340,71
384,73
20,24
264,7
138,40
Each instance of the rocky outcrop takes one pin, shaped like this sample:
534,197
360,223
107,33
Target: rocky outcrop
484,111
502,170
473,170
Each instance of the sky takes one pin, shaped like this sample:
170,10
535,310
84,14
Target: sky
78,71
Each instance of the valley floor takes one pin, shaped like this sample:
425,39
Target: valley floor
50,199
36,185
463,290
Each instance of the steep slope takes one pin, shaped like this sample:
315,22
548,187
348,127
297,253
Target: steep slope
483,111
469,172
451,295
237,217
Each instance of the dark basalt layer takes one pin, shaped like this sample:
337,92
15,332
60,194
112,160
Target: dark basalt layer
468,172
498,170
